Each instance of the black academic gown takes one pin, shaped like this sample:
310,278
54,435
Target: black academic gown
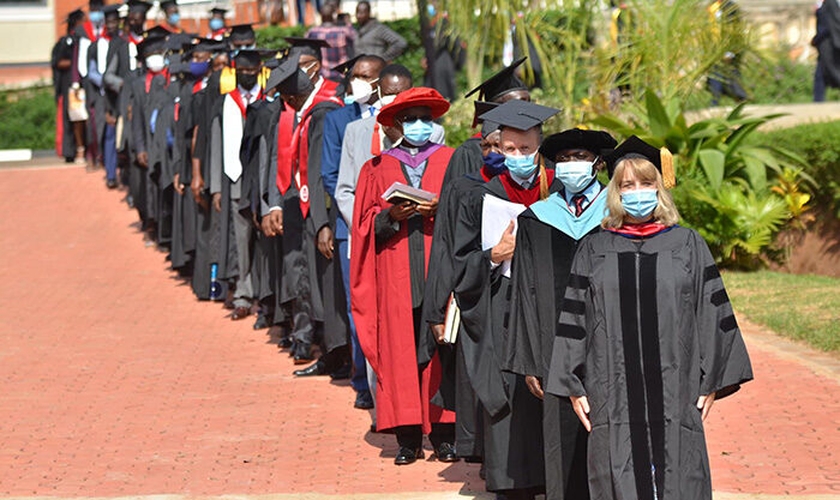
183,205
62,80
455,391
646,327
309,279
206,104
465,160
540,272
513,448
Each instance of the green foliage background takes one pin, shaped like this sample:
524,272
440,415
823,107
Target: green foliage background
27,119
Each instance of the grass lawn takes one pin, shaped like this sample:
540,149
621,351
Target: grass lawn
802,307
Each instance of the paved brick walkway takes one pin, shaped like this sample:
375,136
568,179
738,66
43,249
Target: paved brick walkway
115,382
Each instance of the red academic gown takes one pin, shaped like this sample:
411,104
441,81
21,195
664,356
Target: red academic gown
382,310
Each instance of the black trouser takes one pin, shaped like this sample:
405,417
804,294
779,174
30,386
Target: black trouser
411,436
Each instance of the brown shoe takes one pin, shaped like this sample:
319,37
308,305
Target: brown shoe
240,312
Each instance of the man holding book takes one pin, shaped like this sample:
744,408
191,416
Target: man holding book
389,255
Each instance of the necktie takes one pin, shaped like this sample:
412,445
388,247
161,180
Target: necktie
578,200
247,98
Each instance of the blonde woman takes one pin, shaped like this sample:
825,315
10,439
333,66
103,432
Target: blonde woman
647,340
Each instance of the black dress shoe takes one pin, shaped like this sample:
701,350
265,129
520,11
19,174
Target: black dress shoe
364,400
261,322
112,184
408,456
446,453
342,373
285,342
316,368
302,353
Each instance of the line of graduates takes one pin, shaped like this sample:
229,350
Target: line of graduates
264,181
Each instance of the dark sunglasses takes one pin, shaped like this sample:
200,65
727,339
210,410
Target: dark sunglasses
413,118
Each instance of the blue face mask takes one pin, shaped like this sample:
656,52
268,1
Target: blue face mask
272,97
418,132
96,17
431,10
217,24
640,203
199,69
521,166
349,99
495,163
174,18
575,175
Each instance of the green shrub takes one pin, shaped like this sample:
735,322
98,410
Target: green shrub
817,144
27,119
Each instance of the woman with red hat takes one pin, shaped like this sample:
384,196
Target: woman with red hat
389,257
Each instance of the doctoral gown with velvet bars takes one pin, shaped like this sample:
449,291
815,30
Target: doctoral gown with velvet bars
646,327
381,298
512,429
540,271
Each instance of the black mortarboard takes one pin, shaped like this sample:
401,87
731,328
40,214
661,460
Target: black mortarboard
242,33
218,10
165,4
74,16
598,142
288,78
482,107
139,6
499,84
208,45
272,63
112,10
178,41
151,44
347,66
156,32
660,157
309,46
521,115
95,4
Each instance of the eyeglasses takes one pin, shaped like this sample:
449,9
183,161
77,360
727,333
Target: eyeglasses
413,118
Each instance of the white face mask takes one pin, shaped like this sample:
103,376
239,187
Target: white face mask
155,63
361,90
387,99
575,175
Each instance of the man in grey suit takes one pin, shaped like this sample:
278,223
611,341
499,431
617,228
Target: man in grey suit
359,146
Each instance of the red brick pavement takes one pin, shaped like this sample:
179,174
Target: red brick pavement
116,382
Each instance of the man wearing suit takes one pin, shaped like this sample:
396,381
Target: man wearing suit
364,85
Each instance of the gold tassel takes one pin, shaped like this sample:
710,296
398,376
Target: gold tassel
543,180
669,178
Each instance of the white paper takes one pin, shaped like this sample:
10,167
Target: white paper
496,215
452,322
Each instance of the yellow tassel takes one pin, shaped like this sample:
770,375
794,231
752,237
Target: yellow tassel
543,180
669,178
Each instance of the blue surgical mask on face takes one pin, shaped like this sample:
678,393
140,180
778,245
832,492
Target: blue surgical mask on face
431,10
521,167
640,203
217,24
418,132
349,99
174,18
575,175
96,17
495,163
199,69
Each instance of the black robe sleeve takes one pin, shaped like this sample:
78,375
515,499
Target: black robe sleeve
724,362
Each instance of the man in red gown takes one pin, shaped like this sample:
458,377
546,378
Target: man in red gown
389,257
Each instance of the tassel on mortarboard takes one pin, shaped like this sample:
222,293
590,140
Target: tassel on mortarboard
669,178
543,179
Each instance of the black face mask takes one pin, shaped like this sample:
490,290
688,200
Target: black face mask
246,81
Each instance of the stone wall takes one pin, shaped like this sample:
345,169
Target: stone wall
783,23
